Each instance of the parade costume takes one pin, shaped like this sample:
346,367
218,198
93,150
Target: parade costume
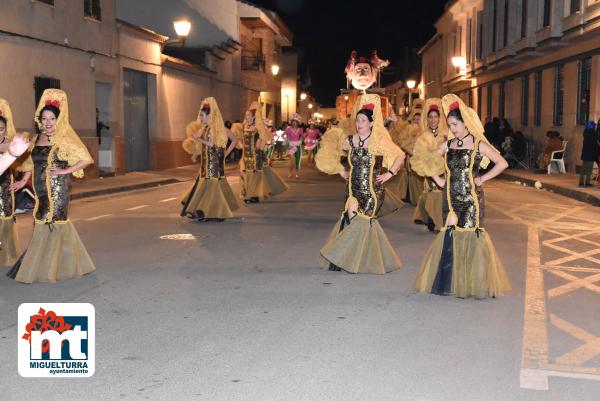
294,138
55,251
8,226
211,196
258,180
358,244
311,138
429,205
462,260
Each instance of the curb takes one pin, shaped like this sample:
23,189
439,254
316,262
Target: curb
568,192
123,188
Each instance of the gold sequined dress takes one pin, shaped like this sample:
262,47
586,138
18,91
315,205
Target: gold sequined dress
258,180
211,196
8,229
55,251
462,260
359,244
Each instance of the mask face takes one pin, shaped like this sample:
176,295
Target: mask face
362,76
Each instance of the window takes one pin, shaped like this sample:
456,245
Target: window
584,70
494,24
501,99
557,118
525,100
50,2
91,9
537,118
505,36
489,101
479,101
40,84
575,6
546,13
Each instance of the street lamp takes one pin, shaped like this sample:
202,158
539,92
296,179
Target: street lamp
303,96
310,105
460,62
275,69
182,29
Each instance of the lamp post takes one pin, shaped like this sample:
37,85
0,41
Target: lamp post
287,92
410,84
346,108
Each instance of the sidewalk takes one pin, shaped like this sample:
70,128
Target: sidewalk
563,184
136,180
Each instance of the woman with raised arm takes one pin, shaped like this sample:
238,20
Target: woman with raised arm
211,197
8,228
462,260
357,243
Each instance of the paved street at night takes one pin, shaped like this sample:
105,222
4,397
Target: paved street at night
242,312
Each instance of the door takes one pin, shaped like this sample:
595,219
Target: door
135,113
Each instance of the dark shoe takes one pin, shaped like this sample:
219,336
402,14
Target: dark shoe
430,225
417,221
334,268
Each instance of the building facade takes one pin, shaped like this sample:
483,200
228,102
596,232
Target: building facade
108,55
534,62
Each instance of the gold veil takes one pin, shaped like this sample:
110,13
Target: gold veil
7,114
69,145
215,122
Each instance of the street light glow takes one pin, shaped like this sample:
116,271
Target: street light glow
459,61
410,84
303,96
275,69
182,28
310,105
345,97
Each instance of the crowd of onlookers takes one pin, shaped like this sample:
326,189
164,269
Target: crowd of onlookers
514,147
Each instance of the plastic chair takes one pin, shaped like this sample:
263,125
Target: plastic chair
558,157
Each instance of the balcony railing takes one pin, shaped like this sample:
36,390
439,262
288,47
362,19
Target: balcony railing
253,61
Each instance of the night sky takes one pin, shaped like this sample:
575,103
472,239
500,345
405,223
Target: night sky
326,31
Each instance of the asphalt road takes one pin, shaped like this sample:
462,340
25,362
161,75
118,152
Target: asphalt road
242,312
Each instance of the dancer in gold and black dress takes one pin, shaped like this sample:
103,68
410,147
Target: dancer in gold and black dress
258,180
211,197
8,227
435,132
462,260
55,251
357,243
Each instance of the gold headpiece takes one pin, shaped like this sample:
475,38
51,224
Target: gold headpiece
263,131
381,143
7,114
471,119
433,103
416,108
215,121
70,147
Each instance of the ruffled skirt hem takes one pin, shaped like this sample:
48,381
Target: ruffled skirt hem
213,197
476,269
360,247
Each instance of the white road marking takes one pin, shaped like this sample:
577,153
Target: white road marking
168,200
98,217
137,207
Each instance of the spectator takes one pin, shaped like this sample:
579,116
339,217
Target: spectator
589,154
519,145
554,142
100,126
